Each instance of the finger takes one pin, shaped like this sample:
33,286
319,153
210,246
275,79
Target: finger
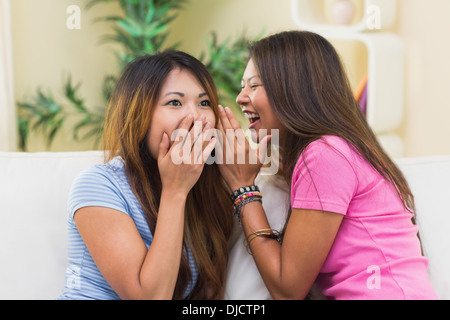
219,126
220,145
186,123
193,142
208,149
224,119
163,146
233,127
207,133
223,141
262,148
226,127
180,134
197,149
238,131
226,144
198,129
232,119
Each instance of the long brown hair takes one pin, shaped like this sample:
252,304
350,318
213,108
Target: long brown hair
208,219
309,91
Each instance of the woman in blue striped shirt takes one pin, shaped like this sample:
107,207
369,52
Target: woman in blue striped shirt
141,225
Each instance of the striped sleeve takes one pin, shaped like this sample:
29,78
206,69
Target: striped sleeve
96,187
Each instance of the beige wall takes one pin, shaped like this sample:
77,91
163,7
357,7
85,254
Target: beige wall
423,27
45,49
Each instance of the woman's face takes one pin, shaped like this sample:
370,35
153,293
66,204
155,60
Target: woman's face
255,103
181,95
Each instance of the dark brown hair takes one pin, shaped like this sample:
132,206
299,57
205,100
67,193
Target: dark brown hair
309,91
208,219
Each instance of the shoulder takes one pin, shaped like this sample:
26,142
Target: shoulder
100,185
324,177
328,159
102,173
328,151
330,146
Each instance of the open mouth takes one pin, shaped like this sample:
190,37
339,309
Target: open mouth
252,117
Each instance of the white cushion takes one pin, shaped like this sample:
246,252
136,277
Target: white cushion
429,179
33,196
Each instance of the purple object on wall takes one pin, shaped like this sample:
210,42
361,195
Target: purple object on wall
363,101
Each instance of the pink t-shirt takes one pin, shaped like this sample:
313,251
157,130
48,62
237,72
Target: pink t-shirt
376,253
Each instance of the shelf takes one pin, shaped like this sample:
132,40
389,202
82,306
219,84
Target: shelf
311,15
385,57
385,70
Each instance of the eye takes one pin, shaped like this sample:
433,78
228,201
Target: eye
254,86
205,103
174,103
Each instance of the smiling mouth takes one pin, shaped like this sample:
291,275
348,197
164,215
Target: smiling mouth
252,117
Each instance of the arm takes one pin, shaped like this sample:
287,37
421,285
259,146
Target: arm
289,270
122,256
115,243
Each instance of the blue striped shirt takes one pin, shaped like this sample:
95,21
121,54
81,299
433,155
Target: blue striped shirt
103,185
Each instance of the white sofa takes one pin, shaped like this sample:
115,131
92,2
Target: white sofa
33,195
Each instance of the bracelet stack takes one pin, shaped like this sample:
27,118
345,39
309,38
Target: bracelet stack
263,233
243,196
246,195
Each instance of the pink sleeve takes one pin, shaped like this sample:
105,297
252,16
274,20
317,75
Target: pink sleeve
323,178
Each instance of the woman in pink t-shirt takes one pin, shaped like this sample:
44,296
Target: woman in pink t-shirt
351,224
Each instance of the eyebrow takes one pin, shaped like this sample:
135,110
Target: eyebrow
177,93
201,95
250,78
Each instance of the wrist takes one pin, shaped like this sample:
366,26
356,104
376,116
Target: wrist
243,196
171,195
237,185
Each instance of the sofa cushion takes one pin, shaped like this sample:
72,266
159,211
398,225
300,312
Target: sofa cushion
33,196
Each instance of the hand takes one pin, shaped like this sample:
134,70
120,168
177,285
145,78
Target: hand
181,165
237,169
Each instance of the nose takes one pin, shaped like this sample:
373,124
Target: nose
192,109
242,99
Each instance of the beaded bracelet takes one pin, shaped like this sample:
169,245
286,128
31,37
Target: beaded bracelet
239,192
238,206
246,195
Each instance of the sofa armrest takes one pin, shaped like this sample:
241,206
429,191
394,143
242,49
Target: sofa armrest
33,197
429,179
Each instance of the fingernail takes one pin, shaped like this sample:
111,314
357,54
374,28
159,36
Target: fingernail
220,108
227,110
